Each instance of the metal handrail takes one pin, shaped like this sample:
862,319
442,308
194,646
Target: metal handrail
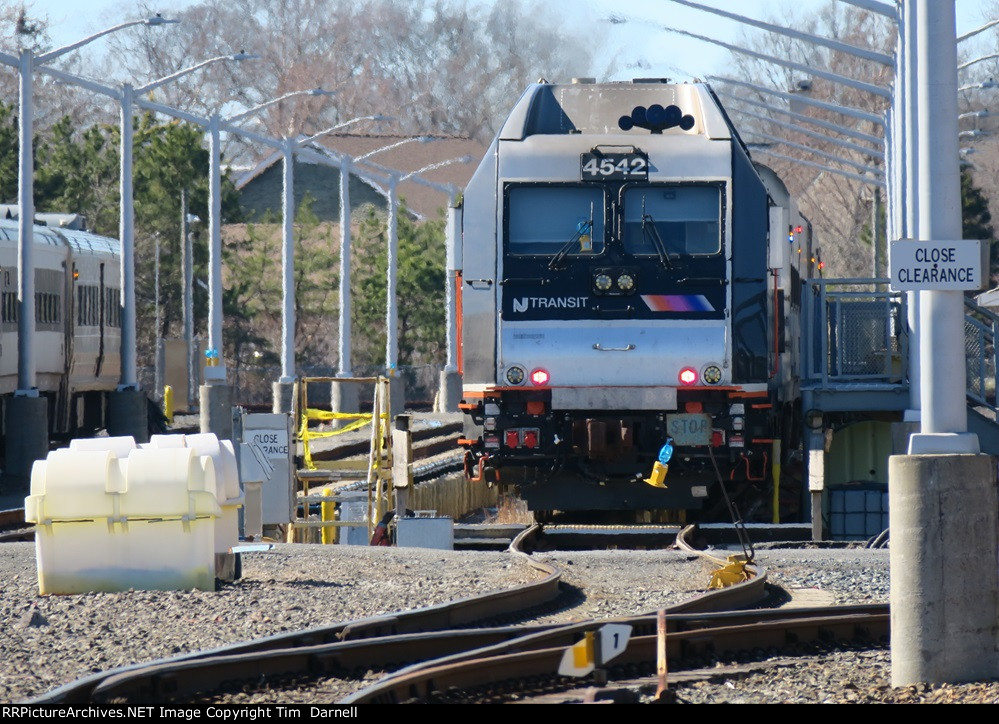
828,310
826,307
980,328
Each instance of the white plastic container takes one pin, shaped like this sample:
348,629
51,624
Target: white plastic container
161,442
108,524
226,486
120,446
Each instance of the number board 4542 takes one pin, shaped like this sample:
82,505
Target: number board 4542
613,167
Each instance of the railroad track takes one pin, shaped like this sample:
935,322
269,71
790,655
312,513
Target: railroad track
357,646
531,662
345,645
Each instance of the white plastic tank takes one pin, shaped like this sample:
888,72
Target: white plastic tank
110,523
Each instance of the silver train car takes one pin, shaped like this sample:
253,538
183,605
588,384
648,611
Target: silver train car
77,323
628,278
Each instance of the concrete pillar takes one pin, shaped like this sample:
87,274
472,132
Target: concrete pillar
345,397
128,413
284,397
26,421
448,392
944,577
216,410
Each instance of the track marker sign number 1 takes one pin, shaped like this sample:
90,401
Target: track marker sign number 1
596,648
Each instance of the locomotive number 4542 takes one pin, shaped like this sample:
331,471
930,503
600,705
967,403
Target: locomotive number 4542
613,167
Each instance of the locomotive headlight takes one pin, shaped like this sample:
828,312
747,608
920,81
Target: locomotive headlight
711,374
515,375
626,282
602,282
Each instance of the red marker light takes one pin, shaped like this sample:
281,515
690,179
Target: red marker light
530,438
540,377
688,376
512,438
798,229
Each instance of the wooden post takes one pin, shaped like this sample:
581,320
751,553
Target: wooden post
402,457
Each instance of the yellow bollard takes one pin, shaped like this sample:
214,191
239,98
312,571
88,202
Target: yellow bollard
328,513
168,403
658,477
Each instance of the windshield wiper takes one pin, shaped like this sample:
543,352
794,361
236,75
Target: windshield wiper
651,234
584,227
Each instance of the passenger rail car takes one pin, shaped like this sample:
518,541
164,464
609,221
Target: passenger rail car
628,276
77,323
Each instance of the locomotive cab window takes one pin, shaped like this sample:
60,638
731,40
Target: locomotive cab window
687,220
547,220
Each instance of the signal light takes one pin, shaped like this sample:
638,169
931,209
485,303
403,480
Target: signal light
540,377
512,438
798,229
530,439
688,376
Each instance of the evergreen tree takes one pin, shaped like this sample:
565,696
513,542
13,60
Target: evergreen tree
976,221
419,290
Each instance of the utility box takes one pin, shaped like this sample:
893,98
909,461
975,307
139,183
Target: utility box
268,439
425,533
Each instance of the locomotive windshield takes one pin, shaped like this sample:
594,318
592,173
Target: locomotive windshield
687,219
555,219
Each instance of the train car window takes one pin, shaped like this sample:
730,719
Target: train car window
10,307
541,220
688,219
113,307
48,311
87,305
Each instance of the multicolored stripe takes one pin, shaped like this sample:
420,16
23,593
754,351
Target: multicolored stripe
677,303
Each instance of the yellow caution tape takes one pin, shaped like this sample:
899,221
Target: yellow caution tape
305,434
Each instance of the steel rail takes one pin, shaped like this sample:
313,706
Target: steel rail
488,668
448,615
338,646
186,677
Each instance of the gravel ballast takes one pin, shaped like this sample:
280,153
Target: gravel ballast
48,641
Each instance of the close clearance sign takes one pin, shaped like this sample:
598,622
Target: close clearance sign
936,265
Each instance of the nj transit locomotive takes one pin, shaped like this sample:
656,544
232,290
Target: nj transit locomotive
77,323
628,275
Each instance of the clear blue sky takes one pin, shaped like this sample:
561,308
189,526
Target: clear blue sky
621,46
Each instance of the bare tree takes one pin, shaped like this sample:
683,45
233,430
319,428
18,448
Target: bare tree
839,208
22,27
439,66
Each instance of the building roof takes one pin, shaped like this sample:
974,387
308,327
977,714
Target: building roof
410,156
